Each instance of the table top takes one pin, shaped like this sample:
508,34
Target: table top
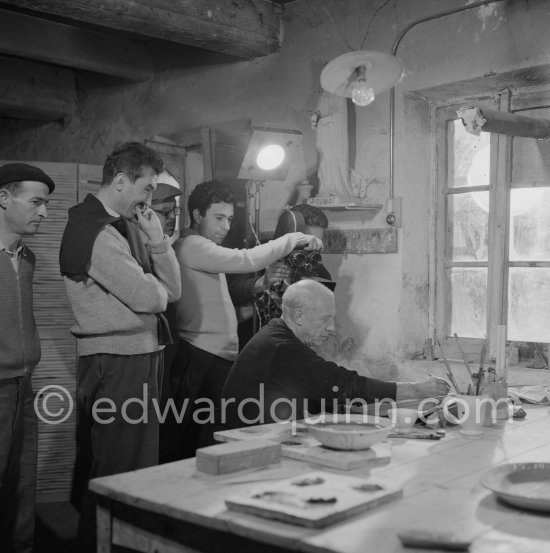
441,492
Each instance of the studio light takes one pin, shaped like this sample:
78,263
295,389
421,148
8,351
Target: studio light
268,157
270,153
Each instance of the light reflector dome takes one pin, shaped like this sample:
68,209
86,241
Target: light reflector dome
344,74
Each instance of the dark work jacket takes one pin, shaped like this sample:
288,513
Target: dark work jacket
289,369
19,343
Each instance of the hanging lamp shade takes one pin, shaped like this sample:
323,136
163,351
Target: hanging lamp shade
380,71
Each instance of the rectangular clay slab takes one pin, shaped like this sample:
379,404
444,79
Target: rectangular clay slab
235,456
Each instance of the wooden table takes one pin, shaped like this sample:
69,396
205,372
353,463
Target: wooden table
173,507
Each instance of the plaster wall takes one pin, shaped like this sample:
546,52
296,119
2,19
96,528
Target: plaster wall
382,298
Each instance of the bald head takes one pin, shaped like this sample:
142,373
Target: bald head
305,293
308,310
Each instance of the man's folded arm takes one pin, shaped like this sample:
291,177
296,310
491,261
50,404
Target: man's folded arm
113,267
166,267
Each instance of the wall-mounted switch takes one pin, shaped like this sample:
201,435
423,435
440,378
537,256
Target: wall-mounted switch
394,214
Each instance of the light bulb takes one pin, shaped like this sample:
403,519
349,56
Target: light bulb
362,94
270,157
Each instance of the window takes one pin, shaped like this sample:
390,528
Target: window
493,234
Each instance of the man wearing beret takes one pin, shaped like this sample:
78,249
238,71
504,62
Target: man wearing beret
24,192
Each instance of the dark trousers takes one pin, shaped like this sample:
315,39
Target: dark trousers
18,451
122,434
196,381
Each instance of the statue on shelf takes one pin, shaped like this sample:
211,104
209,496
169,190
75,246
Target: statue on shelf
330,121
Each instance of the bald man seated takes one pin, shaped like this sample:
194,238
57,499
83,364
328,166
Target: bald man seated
279,377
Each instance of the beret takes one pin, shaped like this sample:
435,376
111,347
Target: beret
15,172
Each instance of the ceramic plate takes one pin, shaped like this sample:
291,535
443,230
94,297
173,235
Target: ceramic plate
525,485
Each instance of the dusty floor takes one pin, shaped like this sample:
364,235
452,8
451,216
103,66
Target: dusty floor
56,525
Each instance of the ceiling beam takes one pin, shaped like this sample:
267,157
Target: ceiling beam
26,36
242,28
236,132
30,90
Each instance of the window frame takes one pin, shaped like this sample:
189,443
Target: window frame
499,220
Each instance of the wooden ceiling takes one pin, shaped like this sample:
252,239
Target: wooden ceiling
43,42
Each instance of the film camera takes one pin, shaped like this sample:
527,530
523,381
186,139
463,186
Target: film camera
302,263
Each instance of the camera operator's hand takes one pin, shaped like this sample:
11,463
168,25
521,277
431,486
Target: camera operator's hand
273,274
308,241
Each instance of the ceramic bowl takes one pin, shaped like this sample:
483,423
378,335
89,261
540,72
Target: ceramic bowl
403,418
349,432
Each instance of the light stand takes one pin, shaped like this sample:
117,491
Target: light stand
268,157
257,206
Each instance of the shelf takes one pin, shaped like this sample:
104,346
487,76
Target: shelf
335,203
374,208
343,203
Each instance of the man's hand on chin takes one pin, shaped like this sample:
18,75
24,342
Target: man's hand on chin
149,223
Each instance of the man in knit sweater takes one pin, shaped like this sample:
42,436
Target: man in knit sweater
24,192
206,320
118,289
279,377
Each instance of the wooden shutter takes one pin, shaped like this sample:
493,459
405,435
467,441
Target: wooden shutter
53,314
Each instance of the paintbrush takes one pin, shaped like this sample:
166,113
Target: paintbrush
481,372
464,358
416,436
448,368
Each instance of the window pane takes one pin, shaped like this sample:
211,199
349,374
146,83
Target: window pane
531,158
468,224
468,292
469,160
530,224
529,304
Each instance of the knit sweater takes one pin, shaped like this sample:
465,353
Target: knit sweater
205,314
19,344
115,306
